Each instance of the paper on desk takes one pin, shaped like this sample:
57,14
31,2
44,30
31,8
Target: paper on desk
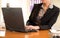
54,31
2,33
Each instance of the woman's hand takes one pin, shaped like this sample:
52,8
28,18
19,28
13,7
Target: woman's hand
32,27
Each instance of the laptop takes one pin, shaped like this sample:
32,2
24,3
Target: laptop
14,21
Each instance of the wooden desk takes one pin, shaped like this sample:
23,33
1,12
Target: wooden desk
39,34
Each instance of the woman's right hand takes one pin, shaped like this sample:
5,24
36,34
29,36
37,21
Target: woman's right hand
32,27
29,27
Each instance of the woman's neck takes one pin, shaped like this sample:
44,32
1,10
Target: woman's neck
45,6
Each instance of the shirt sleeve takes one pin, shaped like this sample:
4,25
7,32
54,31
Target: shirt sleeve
29,22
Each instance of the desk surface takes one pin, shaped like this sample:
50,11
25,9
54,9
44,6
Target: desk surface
39,34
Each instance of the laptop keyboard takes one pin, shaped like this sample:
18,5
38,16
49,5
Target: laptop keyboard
31,30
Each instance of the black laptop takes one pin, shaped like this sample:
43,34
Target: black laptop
14,21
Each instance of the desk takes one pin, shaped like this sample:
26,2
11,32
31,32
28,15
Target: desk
39,34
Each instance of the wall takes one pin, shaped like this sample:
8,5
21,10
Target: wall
56,2
1,17
24,4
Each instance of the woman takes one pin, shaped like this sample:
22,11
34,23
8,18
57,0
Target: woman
43,16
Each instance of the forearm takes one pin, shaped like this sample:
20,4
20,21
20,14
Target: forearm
45,27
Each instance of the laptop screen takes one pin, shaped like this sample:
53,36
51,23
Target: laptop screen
13,17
